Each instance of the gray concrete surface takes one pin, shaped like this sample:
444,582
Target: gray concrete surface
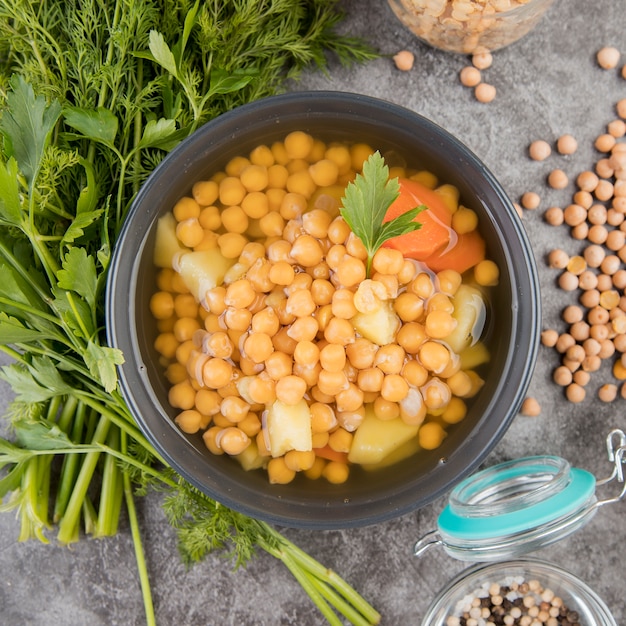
548,84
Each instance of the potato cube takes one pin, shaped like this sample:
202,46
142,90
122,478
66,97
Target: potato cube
167,246
379,326
289,427
202,270
375,439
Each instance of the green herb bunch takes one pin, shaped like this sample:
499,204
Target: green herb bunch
93,93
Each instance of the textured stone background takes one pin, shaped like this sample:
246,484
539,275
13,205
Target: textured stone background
548,84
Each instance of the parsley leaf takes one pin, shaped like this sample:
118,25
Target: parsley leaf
365,205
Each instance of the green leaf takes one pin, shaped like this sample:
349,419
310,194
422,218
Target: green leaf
10,453
79,275
96,124
40,435
401,225
101,361
222,82
10,205
159,134
365,206
77,228
35,383
27,123
190,21
13,286
75,312
12,331
88,197
161,53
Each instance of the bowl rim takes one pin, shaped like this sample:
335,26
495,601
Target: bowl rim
279,508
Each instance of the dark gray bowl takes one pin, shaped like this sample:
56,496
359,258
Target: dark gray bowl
513,321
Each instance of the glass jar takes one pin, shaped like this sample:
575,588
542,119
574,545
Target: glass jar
470,27
498,587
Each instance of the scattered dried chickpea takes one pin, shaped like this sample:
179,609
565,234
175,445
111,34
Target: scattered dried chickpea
530,200
566,144
404,60
530,407
470,76
482,60
608,57
557,179
484,92
539,150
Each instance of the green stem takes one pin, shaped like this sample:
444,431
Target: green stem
309,588
69,522
327,576
140,557
109,508
71,463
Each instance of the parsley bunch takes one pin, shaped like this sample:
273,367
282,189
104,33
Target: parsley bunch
93,93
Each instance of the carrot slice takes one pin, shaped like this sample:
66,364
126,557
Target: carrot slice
464,254
435,232
331,455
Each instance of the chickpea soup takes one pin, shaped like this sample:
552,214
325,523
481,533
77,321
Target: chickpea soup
286,346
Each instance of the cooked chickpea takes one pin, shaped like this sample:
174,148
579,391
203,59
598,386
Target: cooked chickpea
350,271
162,305
431,435
290,389
216,373
394,388
336,472
487,273
299,461
439,324
189,421
278,472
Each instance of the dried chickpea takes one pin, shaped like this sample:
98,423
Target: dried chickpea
558,259
566,144
608,57
574,214
558,179
539,150
530,407
549,338
607,392
554,216
482,60
530,200
568,281
470,76
575,393
484,92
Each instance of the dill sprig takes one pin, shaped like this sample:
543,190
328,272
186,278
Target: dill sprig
93,94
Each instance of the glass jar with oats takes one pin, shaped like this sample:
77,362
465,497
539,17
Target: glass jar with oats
470,26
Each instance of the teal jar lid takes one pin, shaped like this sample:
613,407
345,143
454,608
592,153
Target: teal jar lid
518,506
515,497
